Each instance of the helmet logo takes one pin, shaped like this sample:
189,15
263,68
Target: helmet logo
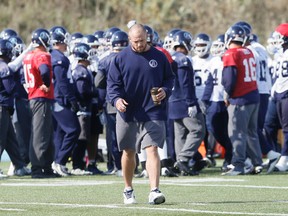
44,35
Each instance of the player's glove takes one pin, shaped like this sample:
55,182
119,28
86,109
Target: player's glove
74,106
192,111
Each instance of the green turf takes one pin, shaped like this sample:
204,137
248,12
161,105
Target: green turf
206,194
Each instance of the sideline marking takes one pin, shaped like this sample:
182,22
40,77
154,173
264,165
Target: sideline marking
71,182
114,206
11,209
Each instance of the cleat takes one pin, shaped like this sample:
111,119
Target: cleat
232,172
143,174
80,172
272,163
257,170
60,169
94,169
167,172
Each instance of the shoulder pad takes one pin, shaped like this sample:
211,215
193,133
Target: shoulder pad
79,72
181,59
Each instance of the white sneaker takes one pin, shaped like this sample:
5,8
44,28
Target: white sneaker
156,197
79,172
273,160
282,164
129,197
60,169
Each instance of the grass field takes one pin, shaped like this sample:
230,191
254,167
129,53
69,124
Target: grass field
206,194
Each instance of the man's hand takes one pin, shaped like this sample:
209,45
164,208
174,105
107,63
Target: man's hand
121,105
44,88
161,94
226,99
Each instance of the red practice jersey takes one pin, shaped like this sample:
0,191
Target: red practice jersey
32,62
243,59
169,57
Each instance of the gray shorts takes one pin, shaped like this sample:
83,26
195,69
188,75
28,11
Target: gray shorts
139,135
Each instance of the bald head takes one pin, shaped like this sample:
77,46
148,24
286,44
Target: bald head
137,29
138,38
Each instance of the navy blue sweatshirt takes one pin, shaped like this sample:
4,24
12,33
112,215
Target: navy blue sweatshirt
132,75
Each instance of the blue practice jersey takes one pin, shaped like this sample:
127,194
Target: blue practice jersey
7,85
64,90
183,93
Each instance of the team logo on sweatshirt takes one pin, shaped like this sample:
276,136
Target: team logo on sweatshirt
153,63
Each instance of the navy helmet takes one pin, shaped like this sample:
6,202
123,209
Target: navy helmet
59,35
119,40
6,48
81,51
40,37
183,38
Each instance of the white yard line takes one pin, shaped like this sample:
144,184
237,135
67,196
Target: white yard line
141,208
11,209
179,182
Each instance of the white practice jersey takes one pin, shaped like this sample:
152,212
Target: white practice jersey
216,69
201,72
281,74
262,70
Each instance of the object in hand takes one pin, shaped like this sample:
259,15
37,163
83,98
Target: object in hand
154,92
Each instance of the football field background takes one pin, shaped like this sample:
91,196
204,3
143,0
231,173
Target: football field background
206,194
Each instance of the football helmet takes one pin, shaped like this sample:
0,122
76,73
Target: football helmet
81,51
202,44
6,33
150,33
100,36
235,33
156,39
6,48
18,45
91,40
119,40
40,37
168,40
59,35
243,23
218,46
183,38
75,39
254,38
108,33
280,35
